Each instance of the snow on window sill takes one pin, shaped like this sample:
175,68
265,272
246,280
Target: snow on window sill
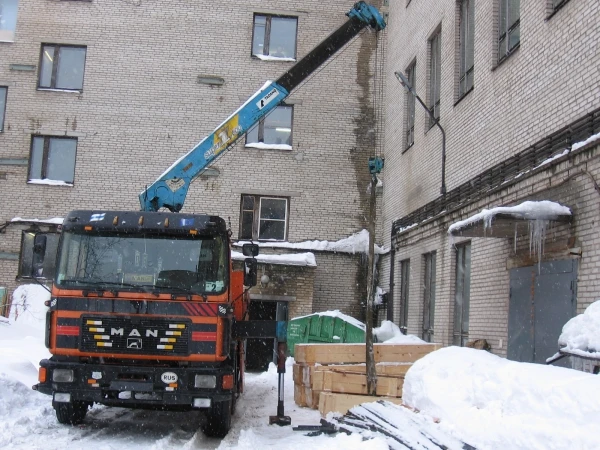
75,91
273,58
263,146
49,182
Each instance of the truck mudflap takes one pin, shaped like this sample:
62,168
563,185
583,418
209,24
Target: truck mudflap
176,388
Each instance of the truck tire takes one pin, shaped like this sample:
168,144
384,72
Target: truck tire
71,413
218,420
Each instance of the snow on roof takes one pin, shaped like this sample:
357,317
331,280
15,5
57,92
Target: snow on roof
340,315
595,137
54,220
49,182
357,243
581,334
274,58
290,259
529,210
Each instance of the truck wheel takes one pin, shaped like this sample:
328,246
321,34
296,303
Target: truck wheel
218,420
71,413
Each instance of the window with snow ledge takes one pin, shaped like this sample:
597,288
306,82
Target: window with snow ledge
264,218
52,160
274,37
62,67
273,132
8,19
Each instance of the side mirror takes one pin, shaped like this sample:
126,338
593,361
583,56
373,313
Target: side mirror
39,253
250,250
250,271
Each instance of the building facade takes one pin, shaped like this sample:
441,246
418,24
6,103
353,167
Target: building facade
98,98
514,87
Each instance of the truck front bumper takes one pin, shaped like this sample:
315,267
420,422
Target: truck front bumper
134,386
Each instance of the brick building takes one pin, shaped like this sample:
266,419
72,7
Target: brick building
514,85
98,98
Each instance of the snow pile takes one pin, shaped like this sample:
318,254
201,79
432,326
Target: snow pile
389,333
290,259
529,210
357,243
581,334
577,145
498,404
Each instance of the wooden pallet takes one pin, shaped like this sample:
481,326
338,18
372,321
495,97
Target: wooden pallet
341,403
355,353
305,396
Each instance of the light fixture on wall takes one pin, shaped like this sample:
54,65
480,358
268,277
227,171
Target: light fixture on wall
264,280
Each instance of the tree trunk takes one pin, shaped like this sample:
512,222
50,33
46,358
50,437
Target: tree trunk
370,359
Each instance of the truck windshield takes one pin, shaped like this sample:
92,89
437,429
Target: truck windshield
190,264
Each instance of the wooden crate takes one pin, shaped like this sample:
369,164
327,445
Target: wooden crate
355,353
303,373
355,383
341,403
382,369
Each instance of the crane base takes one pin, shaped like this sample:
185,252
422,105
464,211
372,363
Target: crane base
280,420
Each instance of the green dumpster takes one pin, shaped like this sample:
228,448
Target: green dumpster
329,327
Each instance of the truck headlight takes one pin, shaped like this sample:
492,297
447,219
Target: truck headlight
62,376
205,381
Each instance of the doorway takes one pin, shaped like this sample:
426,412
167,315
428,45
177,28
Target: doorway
542,299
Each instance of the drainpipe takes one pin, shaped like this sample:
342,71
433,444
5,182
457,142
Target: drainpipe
390,299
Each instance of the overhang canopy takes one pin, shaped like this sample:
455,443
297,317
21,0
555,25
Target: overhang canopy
510,221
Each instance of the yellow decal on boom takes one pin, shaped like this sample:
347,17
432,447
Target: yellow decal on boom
223,137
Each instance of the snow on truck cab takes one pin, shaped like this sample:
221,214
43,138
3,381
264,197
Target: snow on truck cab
146,310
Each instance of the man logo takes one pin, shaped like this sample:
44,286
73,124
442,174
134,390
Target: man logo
134,343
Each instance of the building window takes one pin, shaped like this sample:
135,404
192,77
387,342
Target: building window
435,73
38,254
274,37
462,294
264,218
404,282
52,159
509,32
3,92
555,5
410,106
429,260
62,67
8,19
467,46
274,129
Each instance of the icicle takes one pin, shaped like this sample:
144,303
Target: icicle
537,236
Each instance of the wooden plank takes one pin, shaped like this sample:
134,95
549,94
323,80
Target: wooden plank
382,369
353,383
305,396
303,373
341,403
355,353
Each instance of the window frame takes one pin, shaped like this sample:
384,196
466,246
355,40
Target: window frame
410,110
261,128
14,29
267,37
55,65
505,33
45,155
462,294
256,217
554,6
404,295
466,9
429,288
3,103
435,72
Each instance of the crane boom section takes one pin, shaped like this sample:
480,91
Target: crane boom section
170,189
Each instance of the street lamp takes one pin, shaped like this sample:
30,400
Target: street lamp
406,84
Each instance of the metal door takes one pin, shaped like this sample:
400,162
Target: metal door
542,300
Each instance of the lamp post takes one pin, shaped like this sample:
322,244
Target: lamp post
406,84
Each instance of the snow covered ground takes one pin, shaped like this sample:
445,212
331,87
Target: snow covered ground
474,396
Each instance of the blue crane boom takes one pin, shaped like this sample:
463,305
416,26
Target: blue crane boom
170,189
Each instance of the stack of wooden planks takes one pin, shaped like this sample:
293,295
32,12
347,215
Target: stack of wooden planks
332,377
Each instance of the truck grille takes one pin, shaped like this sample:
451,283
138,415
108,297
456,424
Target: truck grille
132,335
